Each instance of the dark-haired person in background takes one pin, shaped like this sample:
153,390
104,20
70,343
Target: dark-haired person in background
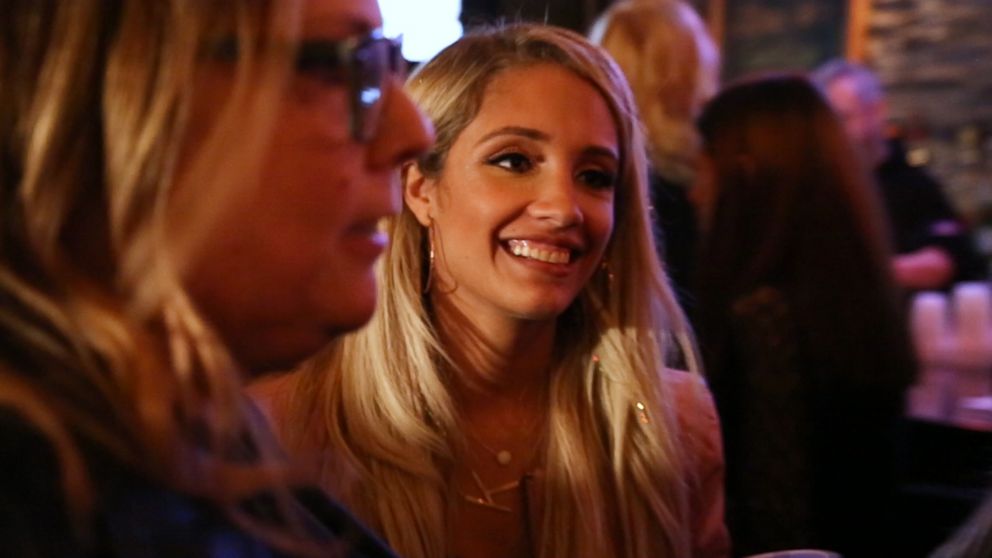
800,326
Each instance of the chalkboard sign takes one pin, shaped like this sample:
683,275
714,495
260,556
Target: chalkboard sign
770,35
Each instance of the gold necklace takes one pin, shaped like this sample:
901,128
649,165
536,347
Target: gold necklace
487,499
504,457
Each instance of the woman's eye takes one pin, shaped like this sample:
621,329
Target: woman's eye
319,60
598,179
514,162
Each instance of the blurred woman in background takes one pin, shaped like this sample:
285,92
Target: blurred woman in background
673,67
802,337
180,178
511,395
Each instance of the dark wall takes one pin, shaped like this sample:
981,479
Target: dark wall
935,60
774,35
573,14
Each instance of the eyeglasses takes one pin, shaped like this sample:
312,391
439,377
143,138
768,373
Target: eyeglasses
363,64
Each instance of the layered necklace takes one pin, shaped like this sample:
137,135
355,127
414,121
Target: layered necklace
487,498
505,459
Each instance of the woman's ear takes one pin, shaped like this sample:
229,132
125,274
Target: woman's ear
419,192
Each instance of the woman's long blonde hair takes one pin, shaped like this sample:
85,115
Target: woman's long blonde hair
672,65
102,347
379,401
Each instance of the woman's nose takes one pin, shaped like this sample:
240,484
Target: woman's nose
403,132
557,201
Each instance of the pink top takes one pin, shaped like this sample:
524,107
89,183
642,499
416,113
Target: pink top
701,428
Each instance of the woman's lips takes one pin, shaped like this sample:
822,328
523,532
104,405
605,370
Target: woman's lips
366,241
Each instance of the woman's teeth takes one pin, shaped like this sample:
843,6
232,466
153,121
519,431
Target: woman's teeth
543,254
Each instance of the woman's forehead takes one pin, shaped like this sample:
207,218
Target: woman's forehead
341,18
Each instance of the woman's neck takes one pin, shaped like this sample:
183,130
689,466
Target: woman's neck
496,357
500,387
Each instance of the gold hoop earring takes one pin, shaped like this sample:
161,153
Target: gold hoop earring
430,258
605,283
604,266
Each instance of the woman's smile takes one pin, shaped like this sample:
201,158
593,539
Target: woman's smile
540,251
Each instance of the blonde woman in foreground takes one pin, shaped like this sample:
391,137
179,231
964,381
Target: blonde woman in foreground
510,396
159,160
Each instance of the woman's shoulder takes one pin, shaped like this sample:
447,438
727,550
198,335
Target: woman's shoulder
693,403
303,437
700,432
696,416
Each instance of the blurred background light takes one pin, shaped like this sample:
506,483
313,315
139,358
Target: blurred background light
427,26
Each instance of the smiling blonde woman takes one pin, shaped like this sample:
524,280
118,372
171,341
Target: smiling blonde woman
511,397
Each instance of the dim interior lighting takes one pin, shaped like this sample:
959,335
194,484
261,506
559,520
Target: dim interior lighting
427,26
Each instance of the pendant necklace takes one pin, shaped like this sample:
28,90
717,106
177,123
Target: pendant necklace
504,457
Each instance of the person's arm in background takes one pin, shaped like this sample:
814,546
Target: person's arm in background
937,249
928,268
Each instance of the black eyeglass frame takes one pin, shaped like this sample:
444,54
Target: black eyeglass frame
366,71
368,61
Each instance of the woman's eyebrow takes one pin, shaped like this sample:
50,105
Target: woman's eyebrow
538,135
337,26
522,131
601,151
